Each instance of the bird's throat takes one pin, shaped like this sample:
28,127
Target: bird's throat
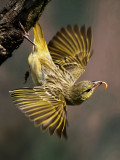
73,96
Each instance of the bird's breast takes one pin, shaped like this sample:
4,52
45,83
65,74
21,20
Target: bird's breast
35,69
42,69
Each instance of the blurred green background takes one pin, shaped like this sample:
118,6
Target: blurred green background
94,126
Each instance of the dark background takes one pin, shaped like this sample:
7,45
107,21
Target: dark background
94,126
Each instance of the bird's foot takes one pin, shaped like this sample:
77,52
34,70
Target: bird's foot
26,34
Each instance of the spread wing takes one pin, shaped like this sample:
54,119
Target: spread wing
71,49
45,106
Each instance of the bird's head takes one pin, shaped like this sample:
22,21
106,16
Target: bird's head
83,90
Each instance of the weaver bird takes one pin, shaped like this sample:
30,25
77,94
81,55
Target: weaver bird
55,69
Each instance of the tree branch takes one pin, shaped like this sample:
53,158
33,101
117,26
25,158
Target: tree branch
11,34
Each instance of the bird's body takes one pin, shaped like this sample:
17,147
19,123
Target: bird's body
43,69
55,69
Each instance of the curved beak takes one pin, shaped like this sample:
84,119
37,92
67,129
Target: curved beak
98,83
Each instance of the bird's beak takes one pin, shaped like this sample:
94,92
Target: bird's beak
98,83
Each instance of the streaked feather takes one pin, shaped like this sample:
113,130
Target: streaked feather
71,49
45,106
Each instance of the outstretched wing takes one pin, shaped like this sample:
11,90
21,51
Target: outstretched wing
45,106
71,49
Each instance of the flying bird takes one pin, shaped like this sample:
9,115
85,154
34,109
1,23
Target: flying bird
55,68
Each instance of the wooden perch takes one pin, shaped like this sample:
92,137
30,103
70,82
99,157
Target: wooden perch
27,12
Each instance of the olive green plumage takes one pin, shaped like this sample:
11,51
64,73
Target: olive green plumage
54,70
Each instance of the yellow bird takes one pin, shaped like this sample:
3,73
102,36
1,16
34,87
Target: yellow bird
55,69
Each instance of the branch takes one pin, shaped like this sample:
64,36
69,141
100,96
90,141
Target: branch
11,34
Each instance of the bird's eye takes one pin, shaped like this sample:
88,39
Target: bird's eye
88,90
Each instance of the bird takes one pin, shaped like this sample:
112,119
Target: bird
55,69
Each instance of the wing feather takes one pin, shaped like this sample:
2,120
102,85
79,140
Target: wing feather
71,49
45,106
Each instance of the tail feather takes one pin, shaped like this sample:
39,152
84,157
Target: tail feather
39,38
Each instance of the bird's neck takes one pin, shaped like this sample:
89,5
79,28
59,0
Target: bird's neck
73,96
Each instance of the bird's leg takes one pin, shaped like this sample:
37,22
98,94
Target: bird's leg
26,35
26,76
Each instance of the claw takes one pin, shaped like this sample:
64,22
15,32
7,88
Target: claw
26,35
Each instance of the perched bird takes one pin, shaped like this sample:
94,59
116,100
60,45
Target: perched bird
55,69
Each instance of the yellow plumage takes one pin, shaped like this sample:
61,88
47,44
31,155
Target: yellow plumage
39,56
54,72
